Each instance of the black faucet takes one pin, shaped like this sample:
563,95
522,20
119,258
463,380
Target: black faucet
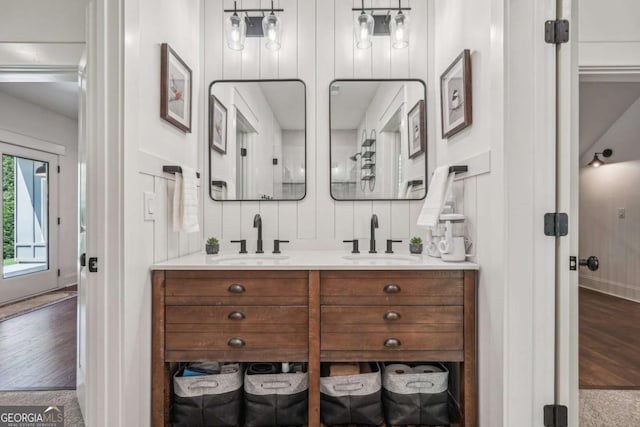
257,223
372,242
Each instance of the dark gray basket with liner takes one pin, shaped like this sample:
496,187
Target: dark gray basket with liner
416,394
352,399
276,398
212,400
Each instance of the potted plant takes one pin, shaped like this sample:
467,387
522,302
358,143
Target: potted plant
213,246
415,247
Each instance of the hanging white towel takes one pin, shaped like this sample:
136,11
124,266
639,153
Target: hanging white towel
185,202
441,182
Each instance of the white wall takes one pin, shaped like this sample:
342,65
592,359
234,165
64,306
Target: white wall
60,21
24,118
150,143
609,33
614,240
316,222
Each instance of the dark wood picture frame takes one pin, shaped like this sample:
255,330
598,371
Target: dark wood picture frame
423,131
467,90
165,113
213,101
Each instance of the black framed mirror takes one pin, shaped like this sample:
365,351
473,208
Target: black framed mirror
257,140
378,146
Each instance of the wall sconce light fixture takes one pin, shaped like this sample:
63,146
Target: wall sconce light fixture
596,162
367,24
268,26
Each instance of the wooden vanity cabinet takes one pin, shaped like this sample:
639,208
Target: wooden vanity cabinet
314,316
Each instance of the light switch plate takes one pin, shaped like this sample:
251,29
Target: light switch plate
622,213
149,206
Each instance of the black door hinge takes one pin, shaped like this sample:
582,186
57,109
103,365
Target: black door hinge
58,220
93,265
556,416
243,152
58,169
58,272
556,224
556,31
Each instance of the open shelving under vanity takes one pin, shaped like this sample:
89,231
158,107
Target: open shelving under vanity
315,308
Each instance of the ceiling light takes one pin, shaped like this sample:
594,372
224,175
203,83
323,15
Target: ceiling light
41,171
596,162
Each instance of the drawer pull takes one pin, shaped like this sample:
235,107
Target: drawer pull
236,342
236,315
391,315
392,342
392,288
236,288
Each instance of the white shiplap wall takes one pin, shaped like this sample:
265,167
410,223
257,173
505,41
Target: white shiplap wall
318,47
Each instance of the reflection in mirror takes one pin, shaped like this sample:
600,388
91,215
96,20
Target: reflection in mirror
257,140
378,140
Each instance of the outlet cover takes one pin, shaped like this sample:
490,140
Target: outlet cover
149,206
622,213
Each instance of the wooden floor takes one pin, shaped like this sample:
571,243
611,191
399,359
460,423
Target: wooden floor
609,342
38,349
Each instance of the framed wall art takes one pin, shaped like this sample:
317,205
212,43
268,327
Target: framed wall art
218,125
417,132
456,94
175,89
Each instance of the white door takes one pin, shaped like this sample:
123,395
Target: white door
81,356
29,222
567,201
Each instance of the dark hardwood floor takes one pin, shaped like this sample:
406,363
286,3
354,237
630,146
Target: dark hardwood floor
609,342
38,349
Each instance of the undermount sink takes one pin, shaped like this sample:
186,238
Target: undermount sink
256,259
383,259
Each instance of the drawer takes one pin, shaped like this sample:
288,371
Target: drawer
235,315
236,288
392,288
237,341
391,315
399,339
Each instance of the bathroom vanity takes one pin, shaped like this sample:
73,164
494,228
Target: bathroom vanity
315,307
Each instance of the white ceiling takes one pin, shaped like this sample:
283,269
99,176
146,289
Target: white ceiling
286,104
601,105
59,97
350,104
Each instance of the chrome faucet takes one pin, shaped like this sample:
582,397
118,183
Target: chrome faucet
372,242
257,223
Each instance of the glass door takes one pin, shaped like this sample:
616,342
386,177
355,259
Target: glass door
29,220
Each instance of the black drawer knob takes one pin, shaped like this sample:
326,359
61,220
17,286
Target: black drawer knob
391,315
392,342
236,315
392,288
236,288
236,342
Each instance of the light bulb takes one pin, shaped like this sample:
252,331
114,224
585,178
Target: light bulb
272,29
363,30
236,32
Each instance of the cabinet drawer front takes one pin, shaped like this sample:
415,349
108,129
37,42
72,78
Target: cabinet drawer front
237,315
391,315
391,341
389,288
227,341
236,288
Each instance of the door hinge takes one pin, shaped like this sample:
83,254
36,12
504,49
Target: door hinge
556,31
58,272
58,169
58,220
93,265
555,416
556,224
573,263
243,152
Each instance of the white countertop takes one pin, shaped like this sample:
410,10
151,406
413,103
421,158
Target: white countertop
311,260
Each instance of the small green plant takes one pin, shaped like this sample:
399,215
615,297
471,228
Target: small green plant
416,241
212,241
